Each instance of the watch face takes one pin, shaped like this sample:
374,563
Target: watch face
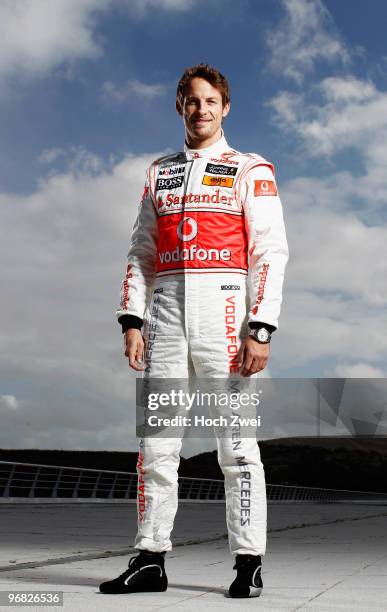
263,335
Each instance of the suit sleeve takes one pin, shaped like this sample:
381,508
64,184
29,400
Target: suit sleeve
141,268
267,244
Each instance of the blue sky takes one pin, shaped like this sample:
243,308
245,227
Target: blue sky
87,91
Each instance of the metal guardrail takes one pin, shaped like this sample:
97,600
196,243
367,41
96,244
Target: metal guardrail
27,480
53,481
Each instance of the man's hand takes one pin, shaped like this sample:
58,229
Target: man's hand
134,349
252,356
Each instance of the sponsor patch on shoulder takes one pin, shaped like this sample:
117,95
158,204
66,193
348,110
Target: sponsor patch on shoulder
265,188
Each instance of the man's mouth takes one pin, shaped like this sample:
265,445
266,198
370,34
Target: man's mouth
200,122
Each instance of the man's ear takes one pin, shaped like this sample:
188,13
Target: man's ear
178,108
226,110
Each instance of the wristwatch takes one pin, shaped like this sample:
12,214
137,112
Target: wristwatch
261,335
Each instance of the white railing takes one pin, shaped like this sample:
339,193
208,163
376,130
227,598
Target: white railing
27,480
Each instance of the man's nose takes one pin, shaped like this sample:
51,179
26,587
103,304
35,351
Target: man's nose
202,106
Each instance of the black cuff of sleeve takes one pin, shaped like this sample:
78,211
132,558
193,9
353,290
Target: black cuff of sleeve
130,322
258,324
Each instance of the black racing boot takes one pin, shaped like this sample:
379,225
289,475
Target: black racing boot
248,582
145,573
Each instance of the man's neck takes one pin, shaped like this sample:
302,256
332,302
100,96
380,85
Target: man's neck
202,144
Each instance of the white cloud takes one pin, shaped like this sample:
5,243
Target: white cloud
336,282
121,93
77,159
358,370
8,402
38,35
62,269
343,215
344,256
347,89
335,114
337,271
68,73
305,36
142,7
318,327
48,156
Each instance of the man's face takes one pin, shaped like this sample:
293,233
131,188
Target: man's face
203,112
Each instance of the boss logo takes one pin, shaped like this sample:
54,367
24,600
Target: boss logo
169,183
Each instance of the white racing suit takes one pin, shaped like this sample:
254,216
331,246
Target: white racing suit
207,256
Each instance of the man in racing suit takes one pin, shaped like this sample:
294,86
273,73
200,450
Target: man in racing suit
204,275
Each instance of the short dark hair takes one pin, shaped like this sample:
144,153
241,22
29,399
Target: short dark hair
202,71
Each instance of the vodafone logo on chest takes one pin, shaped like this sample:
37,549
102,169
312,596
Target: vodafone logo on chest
187,230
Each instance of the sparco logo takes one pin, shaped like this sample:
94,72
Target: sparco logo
169,183
219,169
230,288
261,287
